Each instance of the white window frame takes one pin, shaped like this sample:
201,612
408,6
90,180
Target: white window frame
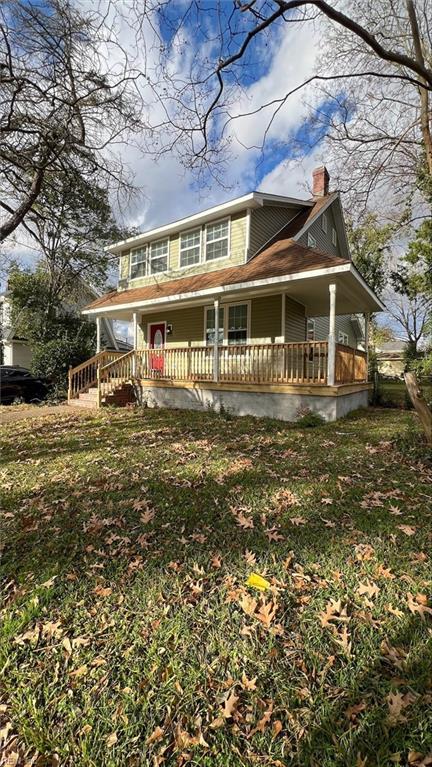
225,308
308,320
324,223
133,250
343,338
200,260
334,237
149,272
228,237
311,240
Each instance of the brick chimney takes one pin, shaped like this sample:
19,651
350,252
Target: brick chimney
321,179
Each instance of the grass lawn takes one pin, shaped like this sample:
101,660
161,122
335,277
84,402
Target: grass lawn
129,636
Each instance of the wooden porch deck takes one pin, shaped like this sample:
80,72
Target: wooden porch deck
258,364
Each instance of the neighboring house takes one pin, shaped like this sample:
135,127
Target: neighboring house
18,352
269,277
391,357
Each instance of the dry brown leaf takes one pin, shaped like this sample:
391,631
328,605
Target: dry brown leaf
248,684
277,727
419,604
266,613
156,735
230,705
111,739
81,671
407,529
248,604
371,589
100,591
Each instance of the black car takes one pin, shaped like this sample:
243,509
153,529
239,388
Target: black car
18,383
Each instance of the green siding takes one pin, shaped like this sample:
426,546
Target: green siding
295,321
187,324
323,239
343,323
237,255
265,222
266,319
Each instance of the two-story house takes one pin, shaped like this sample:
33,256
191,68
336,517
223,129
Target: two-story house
253,305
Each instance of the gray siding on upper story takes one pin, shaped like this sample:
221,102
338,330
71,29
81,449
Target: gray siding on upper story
323,239
343,324
265,222
295,321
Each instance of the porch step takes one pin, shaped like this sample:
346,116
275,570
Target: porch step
123,395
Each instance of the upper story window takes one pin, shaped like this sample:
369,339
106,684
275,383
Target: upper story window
190,248
150,259
158,257
324,223
310,330
138,260
311,241
334,237
217,236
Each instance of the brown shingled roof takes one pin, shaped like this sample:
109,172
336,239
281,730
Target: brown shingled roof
285,256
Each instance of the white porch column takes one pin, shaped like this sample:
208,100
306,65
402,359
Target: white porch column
216,343
331,360
366,320
98,334
135,321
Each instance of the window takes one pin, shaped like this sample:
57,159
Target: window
311,241
137,267
210,326
190,248
324,222
217,240
334,237
310,330
343,338
237,324
158,261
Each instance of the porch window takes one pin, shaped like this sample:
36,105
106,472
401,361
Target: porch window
190,248
158,261
343,338
138,260
210,326
217,240
310,330
237,324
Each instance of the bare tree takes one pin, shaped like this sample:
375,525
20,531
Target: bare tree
68,98
412,314
374,75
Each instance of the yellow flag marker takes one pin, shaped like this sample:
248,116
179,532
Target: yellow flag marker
257,582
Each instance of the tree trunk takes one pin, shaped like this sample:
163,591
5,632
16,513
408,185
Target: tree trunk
420,405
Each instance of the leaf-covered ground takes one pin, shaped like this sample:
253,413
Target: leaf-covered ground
129,635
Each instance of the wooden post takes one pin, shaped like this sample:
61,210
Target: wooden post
216,342
331,360
366,319
420,405
98,335
70,383
99,392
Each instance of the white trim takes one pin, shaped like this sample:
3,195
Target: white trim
283,317
253,199
149,324
248,231
219,239
331,349
248,285
334,196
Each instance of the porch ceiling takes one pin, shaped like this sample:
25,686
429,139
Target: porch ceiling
352,295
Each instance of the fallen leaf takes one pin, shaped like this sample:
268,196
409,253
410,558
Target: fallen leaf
248,684
371,589
156,735
111,739
407,529
230,705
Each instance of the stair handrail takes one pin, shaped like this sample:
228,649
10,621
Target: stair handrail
119,365
83,376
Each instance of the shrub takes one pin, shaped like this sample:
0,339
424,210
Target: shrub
51,360
308,419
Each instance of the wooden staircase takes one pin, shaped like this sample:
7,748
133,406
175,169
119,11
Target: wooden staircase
103,380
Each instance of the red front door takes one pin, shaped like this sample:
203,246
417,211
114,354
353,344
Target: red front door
157,341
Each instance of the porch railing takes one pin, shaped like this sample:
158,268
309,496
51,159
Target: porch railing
247,363
82,377
290,363
351,365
